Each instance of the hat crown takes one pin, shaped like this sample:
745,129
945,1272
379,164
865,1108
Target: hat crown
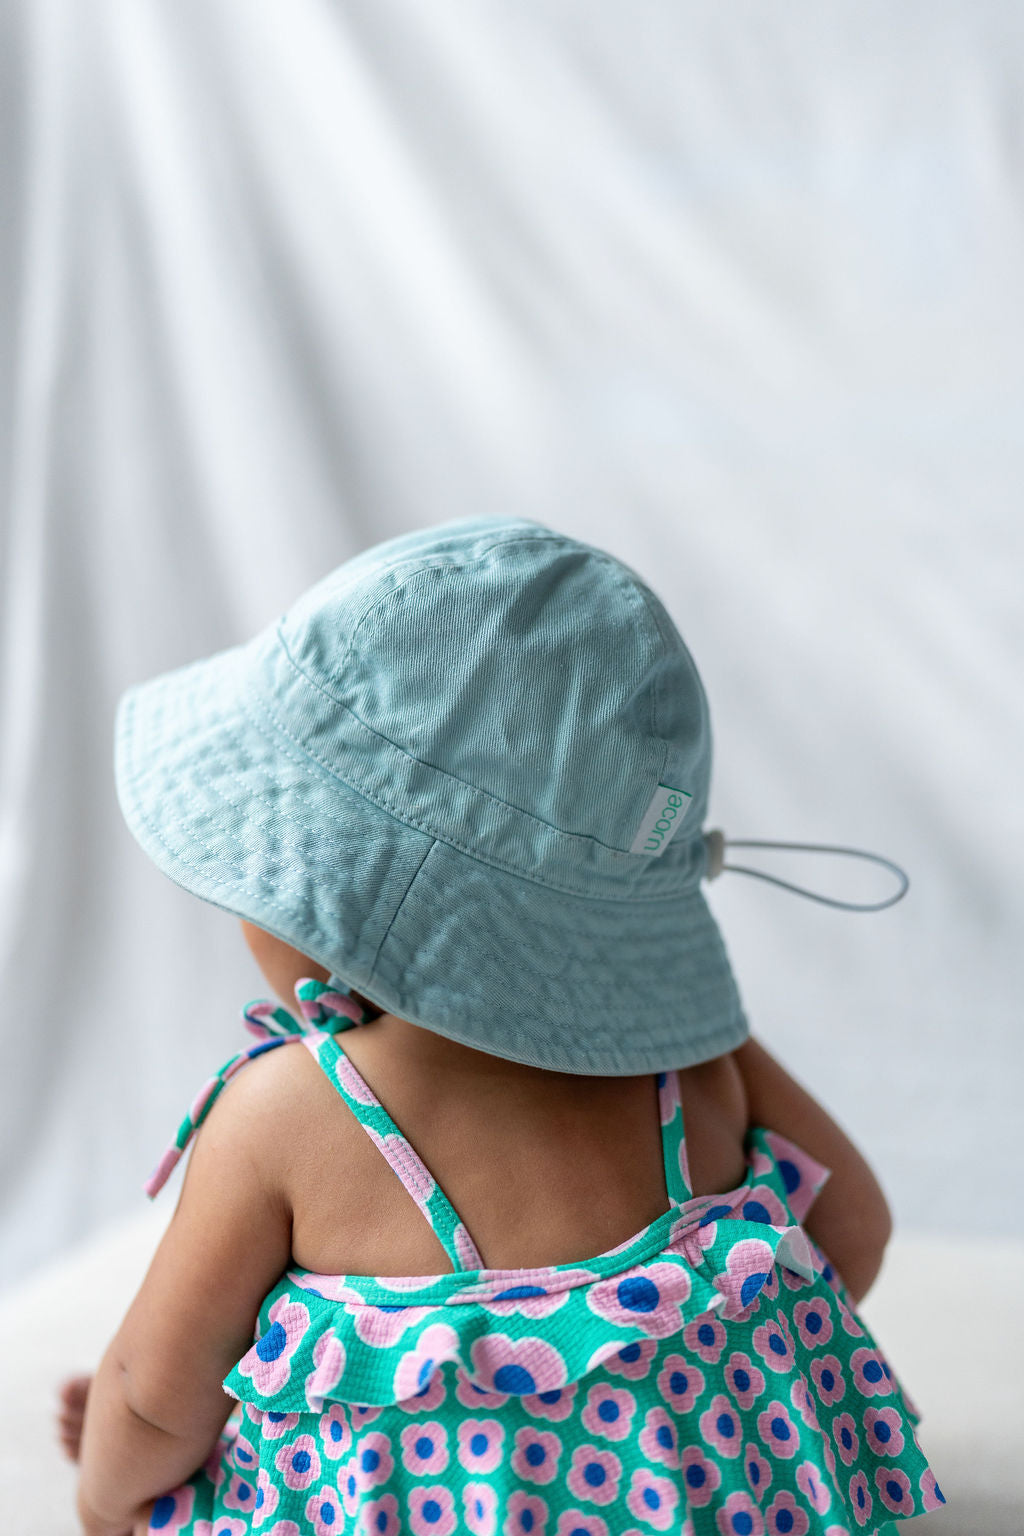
527,664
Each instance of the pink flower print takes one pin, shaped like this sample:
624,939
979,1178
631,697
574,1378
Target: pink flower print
761,1204
529,1297
701,1477
173,1510
350,1080
379,1517
328,1366
802,1176
785,1517
431,1511
425,1448
471,1394
335,1433
883,1431
778,1431
828,1379
828,1456
299,1462
466,1249
480,1509
813,1322
849,1323
223,1527
518,1367
266,1363
680,1383
573,1522
648,1297
480,1444
526,1514
931,1493
744,1380
555,1406
775,1346
382,1325
860,1498
633,1360
792,1280
348,1485
609,1411
397,1151
739,1516
800,1397
813,1486
437,1343
668,1096
844,1431
706,1337
243,1454
871,1375
748,1265
280,1528
652,1498
241,1492
894,1490
323,1513
428,1399
362,1414
374,1462
594,1474
658,1439
759,1473
275,1425
267,1498
721,1427
536,1454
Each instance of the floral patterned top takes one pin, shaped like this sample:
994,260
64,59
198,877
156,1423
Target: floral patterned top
708,1377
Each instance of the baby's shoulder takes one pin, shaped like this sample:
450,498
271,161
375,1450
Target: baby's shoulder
281,1111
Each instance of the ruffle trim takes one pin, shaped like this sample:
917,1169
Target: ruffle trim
524,1341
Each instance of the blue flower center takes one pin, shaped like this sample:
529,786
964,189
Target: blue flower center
273,1343
515,1379
637,1294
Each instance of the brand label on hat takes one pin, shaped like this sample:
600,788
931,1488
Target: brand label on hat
661,818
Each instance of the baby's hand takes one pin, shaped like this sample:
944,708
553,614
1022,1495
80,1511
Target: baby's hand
71,1414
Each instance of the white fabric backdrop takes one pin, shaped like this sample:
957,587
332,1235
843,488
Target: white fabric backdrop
735,292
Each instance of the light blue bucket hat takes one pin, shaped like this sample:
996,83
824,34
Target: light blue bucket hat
467,773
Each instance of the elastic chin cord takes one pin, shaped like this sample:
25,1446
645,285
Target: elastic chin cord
716,844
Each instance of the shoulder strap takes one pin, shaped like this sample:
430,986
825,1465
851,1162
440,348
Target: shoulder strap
448,1227
673,1139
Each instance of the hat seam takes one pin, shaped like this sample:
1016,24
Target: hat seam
622,854
423,563
445,837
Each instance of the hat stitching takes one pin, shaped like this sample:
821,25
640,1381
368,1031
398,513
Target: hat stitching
445,837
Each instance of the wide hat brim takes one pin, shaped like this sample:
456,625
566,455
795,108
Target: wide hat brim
222,796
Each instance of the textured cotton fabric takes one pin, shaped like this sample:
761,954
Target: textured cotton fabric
707,1377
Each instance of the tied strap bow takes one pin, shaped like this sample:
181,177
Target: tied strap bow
321,1009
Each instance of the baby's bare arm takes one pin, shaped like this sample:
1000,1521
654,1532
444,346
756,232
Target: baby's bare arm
156,1405
850,1218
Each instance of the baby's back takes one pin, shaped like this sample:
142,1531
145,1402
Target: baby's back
544,1168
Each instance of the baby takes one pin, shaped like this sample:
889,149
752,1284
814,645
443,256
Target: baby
456,796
